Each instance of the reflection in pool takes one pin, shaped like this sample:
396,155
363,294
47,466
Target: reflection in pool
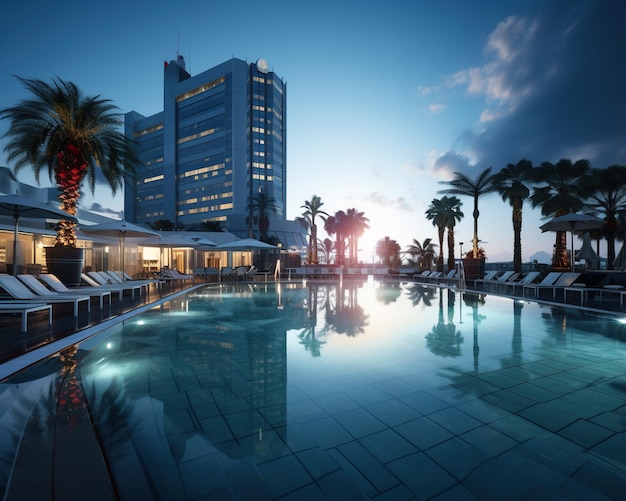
258,391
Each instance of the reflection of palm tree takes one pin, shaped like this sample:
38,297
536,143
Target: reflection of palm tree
308,337
444,339
420,294
347,317
388,292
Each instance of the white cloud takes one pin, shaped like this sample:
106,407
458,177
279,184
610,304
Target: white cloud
436,108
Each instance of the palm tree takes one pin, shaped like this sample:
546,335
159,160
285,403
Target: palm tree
72,135
423,254
559,192
452,206
313,209
512,184
607,198
334,225
444,213
389,251
465,186
260,208
435,213
356,224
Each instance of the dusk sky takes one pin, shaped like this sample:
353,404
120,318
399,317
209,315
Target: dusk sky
384,99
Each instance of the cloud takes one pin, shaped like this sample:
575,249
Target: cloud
553,85
449,163
394,203
436,108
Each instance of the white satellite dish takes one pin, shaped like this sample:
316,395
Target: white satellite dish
262,66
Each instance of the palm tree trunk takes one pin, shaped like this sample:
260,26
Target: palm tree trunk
517,239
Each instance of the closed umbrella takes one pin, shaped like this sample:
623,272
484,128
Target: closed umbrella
573,222
121,229
21,207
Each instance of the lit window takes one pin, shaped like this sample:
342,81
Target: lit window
200,90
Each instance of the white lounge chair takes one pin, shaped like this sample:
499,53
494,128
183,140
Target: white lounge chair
548,280
57,286
96,280
14,287
527,279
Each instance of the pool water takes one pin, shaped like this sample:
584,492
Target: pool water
351,390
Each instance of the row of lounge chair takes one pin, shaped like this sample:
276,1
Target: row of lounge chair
31,293
554,286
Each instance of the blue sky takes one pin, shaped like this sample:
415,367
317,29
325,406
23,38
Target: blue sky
385,99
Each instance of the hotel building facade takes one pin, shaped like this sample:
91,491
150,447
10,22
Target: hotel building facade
219,142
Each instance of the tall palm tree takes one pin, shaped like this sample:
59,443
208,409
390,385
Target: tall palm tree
422,253
356,224
389,251
559,192
73,136
512,183
435,213
312,210
260,208
452,208
465,186
606,199
334,225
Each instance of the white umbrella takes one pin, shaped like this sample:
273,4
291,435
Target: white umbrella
573,222
19,207
245,244
119,228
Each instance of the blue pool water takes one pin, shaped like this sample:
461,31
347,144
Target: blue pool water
350,390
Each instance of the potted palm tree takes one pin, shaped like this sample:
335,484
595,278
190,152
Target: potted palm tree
474,264
72,136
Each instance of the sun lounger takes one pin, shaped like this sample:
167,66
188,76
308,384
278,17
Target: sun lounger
24,308
547,281
57,286
564,281
18,290
501,281
94,279
512,287
490,275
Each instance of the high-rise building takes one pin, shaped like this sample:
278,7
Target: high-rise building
219,142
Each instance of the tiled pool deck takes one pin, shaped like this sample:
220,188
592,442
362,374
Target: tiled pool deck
551,425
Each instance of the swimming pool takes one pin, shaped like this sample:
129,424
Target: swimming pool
350,389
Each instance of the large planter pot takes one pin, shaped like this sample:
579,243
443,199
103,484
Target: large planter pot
66,263
474,268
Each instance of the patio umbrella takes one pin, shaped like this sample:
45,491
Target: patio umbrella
573,222
121,229
19,207
248,244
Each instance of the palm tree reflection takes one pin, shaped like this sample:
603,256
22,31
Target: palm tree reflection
388,292
420,294
309,338
347,317
445,339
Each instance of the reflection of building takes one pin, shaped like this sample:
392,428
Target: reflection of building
214,366
219,142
